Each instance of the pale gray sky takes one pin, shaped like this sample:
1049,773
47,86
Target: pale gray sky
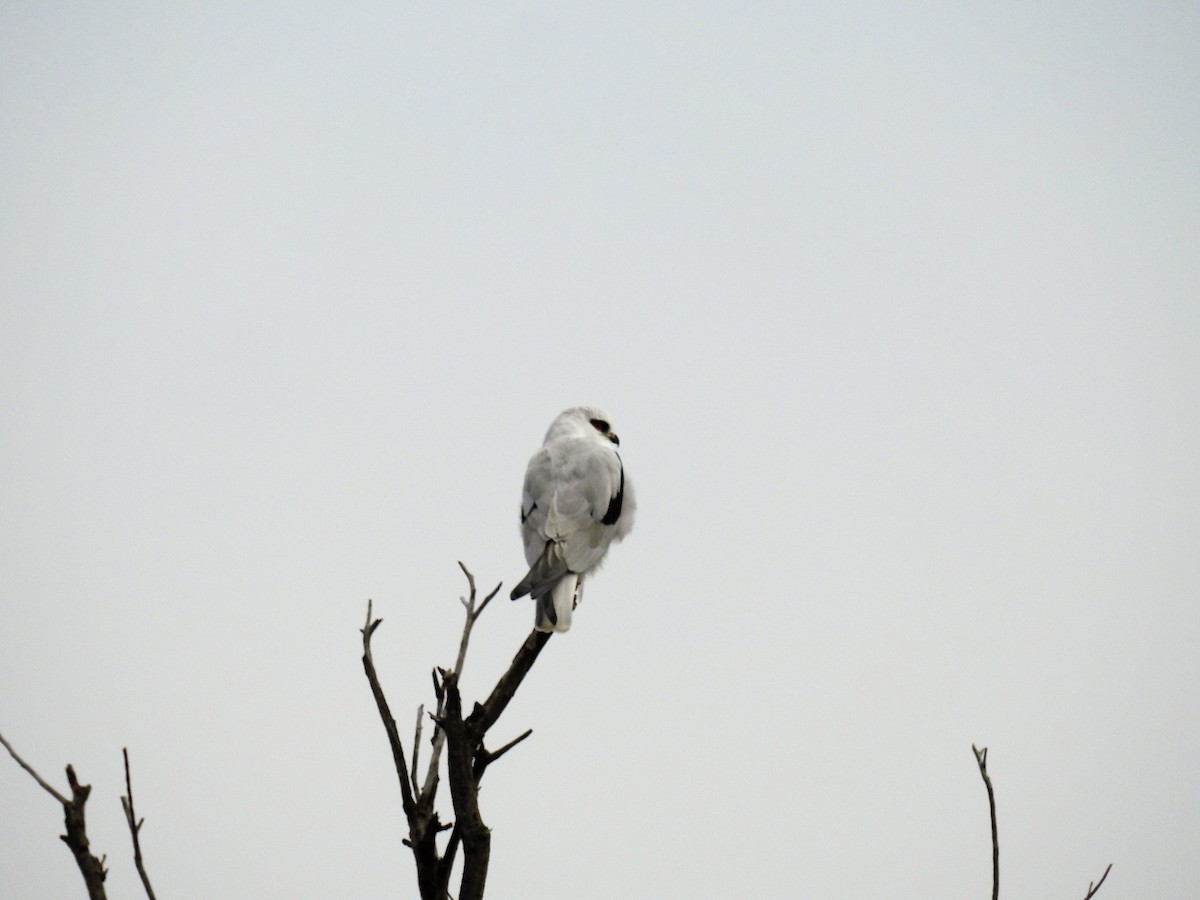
897,312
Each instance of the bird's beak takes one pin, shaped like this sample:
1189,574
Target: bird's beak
612,437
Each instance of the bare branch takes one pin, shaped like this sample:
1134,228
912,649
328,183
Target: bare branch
417,747
484,758
423,825
487,600
437,685
484,715
981,759
135,826
496,754
36,777
464,791
446,867
467,757
385,712
470,577
76,839
435,756
1092,888
472,613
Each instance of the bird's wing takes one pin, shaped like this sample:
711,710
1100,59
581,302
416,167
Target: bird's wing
572,497
546,564
586,504
536,494
544,572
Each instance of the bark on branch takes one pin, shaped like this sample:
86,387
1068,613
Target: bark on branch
467,758
135,827
423,823
76,839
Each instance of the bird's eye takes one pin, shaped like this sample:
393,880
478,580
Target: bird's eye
600,425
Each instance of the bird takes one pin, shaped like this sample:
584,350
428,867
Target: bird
575,503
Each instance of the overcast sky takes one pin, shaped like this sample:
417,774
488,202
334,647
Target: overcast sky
896,311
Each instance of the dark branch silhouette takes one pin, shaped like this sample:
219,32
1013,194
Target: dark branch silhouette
462,738
467,759
423,824
1092,888
76,838
981,759
135,826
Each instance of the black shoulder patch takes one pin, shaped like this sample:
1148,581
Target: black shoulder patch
614,505
526,515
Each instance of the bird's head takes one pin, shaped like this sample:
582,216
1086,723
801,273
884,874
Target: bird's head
583,421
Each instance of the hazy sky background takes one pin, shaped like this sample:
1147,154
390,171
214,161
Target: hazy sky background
896,311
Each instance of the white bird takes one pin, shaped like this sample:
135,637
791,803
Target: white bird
576,502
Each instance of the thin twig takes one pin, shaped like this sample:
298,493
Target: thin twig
472,613
484,758
135,826
496,754
385,712
1092,888
36,777
487,600
981,758
417,747
423,820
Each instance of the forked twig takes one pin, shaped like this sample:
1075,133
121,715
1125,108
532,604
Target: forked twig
385,712
135,826
484,757
472,613
76,839
981,758
1092,888
462,737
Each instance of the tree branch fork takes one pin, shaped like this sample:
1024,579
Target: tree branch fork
91,867
461,739
981,754
457,736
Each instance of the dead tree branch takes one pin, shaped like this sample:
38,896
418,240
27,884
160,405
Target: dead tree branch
439,737
1092,888
484,715
981,759
467,758
76,838
476,837
423,824
135,826
49,789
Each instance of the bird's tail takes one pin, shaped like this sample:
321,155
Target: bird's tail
554,608
543,574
